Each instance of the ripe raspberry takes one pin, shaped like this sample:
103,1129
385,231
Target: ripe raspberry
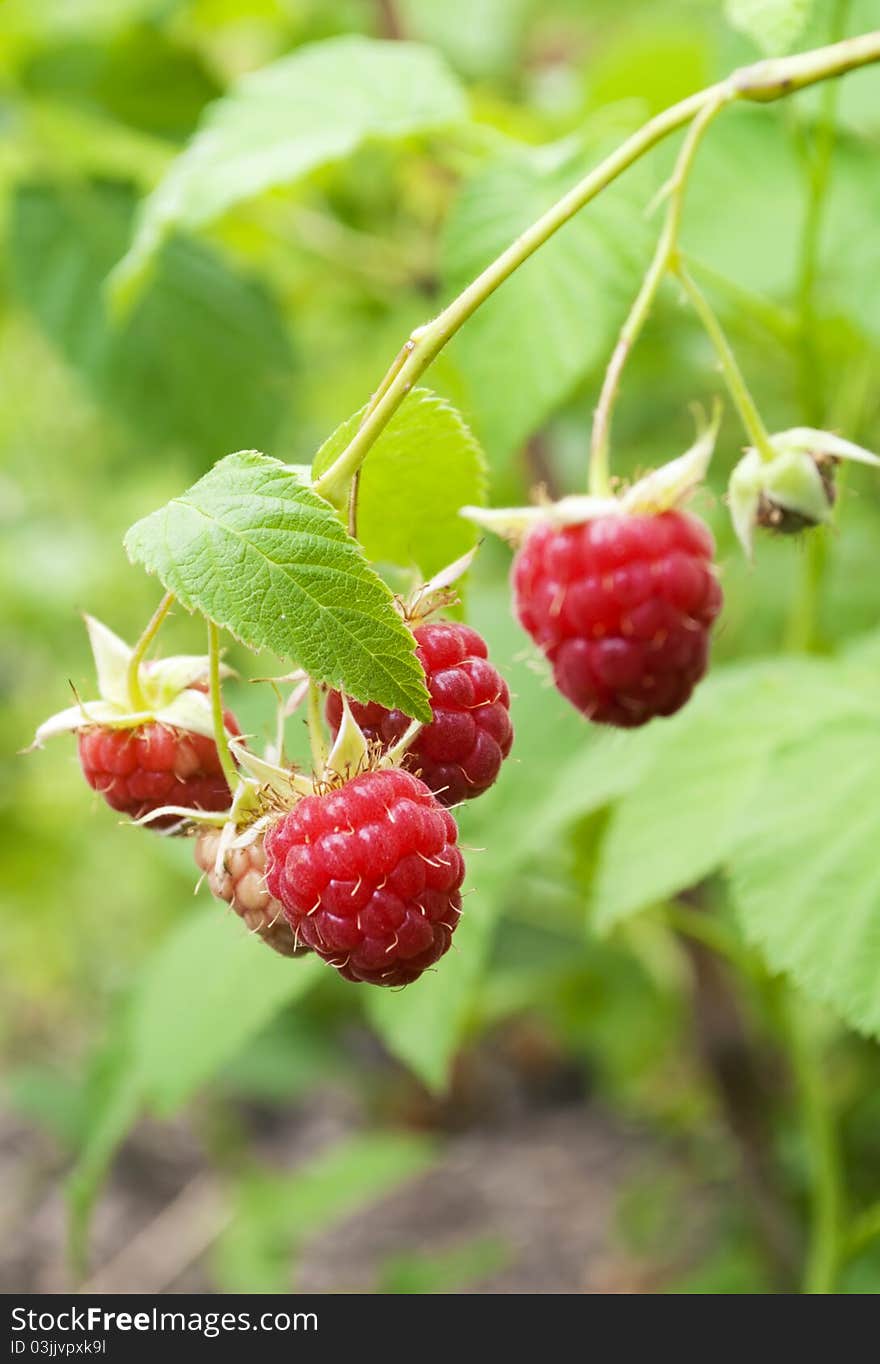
243,886
369,876
458,755
622,606
137,770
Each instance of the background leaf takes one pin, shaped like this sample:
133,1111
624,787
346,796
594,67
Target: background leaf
209,988
204,361
303,111
257,552
525,349
424,467
775,25
806,878
683,816
277,1213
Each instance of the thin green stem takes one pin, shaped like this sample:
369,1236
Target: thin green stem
802,633
317,741
230,771
765,81
135,690
826,1192
600,474
733,376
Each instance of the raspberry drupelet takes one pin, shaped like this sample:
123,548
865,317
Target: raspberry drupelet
242,885
459,754
137,770
622,606
369,876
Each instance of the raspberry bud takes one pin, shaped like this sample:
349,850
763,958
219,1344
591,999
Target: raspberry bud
369,876
459,754
794,489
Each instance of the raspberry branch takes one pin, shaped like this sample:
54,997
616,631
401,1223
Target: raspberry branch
763,82
663,261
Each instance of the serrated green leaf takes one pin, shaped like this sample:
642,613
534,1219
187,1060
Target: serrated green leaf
277,124
259,553
806,876
424,467
775,25
203,362
209,988
684,815
525,349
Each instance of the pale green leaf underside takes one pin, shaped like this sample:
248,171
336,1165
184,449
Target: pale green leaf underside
806,879
277,124
424,467
255,550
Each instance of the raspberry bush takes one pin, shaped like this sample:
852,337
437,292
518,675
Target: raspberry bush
328,820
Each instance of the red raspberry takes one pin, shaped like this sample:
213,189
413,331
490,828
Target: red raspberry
243,886
622,606
369,876
458,755
137,770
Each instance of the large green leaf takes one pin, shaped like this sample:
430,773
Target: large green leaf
554,319
682,817
203,361
806,876
424,467
276,125
255,550
208,989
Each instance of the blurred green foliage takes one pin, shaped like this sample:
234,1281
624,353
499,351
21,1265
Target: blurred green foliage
265,320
